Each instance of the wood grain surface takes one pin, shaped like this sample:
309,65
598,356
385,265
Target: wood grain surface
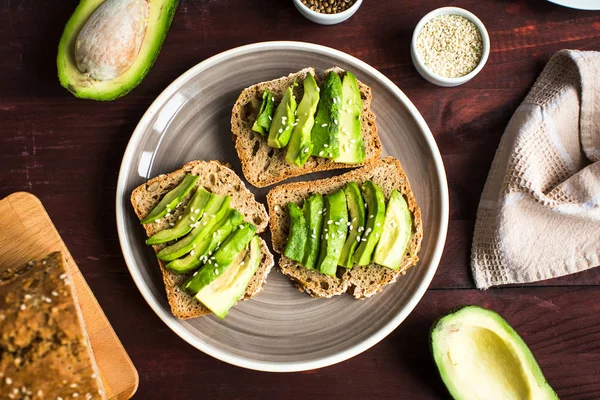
27,233
67,152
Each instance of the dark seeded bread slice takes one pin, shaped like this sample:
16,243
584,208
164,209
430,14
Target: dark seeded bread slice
45,351
360,281
263,165
216,178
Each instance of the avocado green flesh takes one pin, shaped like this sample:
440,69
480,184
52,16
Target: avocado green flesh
283,121
227,289
397,227
222,259
265,114
352,147
193,211
325,131
170,201
300,146
335,230
356,211
375,213
480,356
296,243
207,246
313,214
216,209
159,21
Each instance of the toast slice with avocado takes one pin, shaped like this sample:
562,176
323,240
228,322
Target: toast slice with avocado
264,165
217,179
361,281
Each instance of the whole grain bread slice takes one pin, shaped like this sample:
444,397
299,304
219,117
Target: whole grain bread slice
263,165
216,178
45,350
360,281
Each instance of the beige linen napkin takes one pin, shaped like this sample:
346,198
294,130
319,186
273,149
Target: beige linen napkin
539,214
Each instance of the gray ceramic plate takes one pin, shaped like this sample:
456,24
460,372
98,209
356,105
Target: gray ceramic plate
281,329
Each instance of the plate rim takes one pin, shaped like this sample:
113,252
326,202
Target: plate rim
576,4
242,361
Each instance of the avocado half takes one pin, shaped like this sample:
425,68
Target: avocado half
480,356
160,15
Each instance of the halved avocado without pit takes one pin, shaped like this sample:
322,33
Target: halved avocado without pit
108,46
481,357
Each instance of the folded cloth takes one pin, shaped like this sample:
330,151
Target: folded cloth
539,214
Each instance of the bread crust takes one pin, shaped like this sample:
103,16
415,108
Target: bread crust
263,165
360,281
217,178
46,351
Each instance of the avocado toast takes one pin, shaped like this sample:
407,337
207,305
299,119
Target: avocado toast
264,164
361,280
229,192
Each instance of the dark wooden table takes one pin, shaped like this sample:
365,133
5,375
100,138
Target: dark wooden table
67,151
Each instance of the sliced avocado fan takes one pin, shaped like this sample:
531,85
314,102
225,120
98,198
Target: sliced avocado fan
108,46
481,357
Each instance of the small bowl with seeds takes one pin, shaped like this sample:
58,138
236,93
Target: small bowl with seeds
449,46
327,12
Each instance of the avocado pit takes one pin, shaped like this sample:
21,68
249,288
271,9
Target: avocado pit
110,41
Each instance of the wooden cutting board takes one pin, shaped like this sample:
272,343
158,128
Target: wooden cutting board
27,233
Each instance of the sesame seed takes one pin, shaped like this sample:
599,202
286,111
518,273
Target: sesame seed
241,226
167,214
216,271
318,89
306,150
320,153
323,125
40,393
358,238
360,229
193,252
23,307
197,211
352,141
47,299
365,204
371,216
171,224
280,130
157,220
348,223
364,239
27,296
191,217
73,385
44,262
335,121
329,222
75,394
204,223
178,204
336,222
180,217
378,224
326,236
270,118
8,381
325,145
313,236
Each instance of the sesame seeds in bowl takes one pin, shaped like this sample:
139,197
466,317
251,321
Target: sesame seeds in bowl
449,46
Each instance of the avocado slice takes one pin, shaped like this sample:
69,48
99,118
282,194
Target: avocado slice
233,247
193,211
283,121
300,145
216,209
335,230
296,243
480,356
397,227
200,254
227,289
171,199
313,214
265,114
371,232
352,146
152,30
325,131
356,210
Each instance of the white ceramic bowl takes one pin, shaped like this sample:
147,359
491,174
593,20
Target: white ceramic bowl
428,73
327,19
